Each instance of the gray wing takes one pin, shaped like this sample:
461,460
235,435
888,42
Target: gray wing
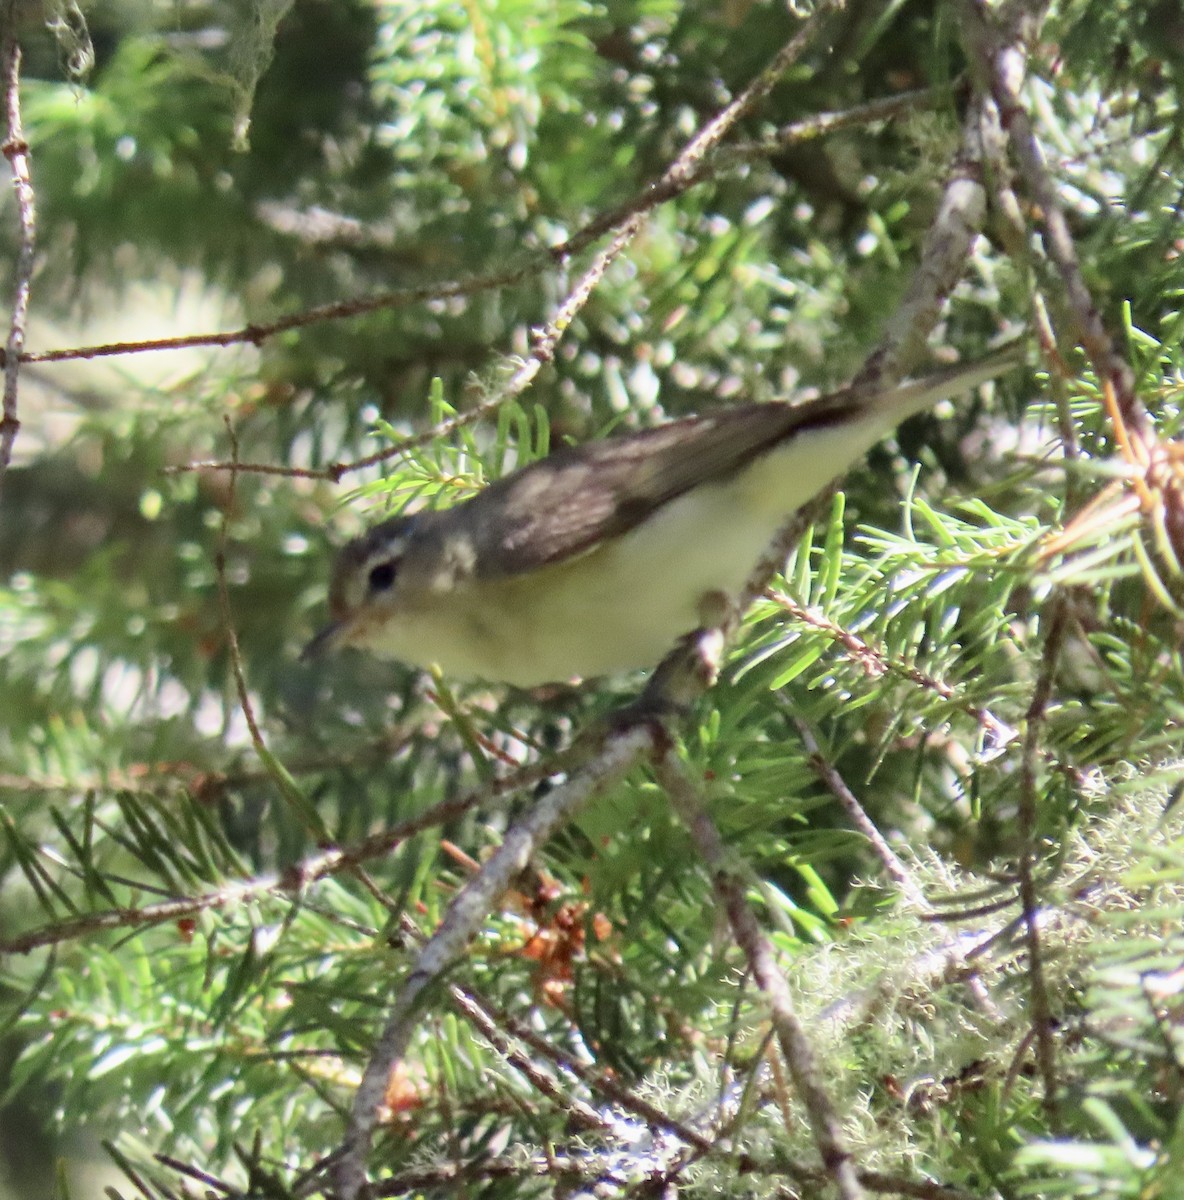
566,504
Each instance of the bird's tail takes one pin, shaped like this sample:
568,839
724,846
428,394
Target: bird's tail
916,395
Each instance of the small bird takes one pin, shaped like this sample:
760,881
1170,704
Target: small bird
597,558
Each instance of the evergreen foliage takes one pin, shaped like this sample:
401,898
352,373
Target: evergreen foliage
202,930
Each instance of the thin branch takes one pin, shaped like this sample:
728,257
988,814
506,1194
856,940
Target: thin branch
304,810
576,1110
730,890
593,1080
686,170
16,150
822,124
469,908
624,222
1027,816
257,333
1011,228
591,1168
996,44
917,1189
896,869
141,916
875,662
838,788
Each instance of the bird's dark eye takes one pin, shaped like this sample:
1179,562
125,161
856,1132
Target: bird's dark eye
382,576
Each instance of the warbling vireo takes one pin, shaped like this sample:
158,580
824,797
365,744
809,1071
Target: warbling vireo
598,557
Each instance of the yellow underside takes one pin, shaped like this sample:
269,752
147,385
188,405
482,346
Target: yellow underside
623,605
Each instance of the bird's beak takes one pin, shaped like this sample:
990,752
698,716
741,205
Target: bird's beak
325,641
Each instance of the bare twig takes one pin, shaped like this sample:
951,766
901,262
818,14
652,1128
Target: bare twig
138,917
1011,228
597,1081
464,916
16,150
686,170
838,788
997,47
543,1082
896,869
821,124
257,333
917,1189
590,1168
1027,819
543,344
758,950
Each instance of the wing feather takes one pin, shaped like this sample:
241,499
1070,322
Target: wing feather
565,505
